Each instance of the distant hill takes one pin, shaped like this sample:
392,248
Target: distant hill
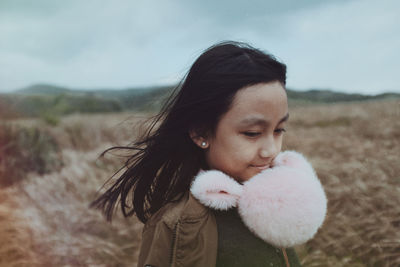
328,96
45,100
43,89
46,89
49,100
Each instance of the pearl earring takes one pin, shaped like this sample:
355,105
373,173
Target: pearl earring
203,143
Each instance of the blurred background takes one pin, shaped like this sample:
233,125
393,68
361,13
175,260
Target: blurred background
76,77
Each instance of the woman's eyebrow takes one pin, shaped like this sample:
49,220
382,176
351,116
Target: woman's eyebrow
259,121
285,118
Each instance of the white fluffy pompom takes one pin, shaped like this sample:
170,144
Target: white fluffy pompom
293,159
216,190
284,205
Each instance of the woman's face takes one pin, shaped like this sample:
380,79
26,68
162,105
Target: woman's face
249,135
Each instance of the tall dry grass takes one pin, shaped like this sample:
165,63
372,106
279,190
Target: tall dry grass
354,147
45,219
17,247
355,150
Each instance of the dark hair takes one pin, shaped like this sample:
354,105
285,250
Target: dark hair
165,159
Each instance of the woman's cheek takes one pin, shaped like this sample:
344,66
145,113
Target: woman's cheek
244,153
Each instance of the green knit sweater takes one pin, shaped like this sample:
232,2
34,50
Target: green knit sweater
239,247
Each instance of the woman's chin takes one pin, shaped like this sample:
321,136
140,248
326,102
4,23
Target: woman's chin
250,173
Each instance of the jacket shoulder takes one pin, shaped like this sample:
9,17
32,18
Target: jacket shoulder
185,210
185,232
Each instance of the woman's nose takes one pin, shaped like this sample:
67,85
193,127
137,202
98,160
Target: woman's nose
268,149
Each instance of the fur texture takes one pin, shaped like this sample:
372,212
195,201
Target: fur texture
216,190
284,205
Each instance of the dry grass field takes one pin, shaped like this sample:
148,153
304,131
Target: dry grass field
354,147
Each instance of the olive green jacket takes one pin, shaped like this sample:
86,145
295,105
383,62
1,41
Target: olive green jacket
181,234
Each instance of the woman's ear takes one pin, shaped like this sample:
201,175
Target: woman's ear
198,139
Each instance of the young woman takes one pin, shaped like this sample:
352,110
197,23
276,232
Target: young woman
228,114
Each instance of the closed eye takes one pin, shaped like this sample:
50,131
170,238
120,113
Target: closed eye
280,130
251,134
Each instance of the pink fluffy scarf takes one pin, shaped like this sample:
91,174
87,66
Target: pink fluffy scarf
283,205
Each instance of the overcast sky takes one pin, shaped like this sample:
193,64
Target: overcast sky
344,45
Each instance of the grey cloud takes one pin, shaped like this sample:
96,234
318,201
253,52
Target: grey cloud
127,43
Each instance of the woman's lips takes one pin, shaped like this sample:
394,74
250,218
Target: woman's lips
261,167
